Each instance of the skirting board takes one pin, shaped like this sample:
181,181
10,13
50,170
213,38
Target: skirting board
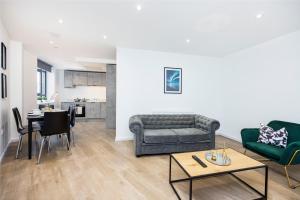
117,139
232,138
5,149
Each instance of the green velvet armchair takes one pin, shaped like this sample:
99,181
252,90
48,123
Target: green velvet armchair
283,156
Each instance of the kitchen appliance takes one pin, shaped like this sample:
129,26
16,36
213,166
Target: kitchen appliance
80,110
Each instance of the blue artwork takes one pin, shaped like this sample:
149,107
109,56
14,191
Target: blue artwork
173,82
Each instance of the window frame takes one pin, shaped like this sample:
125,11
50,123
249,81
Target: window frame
41,72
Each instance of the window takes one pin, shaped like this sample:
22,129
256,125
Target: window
41,83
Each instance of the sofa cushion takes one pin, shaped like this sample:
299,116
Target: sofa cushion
158,136
190,135
266,150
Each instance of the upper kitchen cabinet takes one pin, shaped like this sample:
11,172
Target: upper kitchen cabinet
84,78
80,78
68,79
96,78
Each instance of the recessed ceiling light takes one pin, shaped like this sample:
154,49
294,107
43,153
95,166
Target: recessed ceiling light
139,7
188,40
51,42
104,37
60,21
259,15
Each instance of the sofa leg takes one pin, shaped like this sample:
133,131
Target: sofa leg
289,180
245,151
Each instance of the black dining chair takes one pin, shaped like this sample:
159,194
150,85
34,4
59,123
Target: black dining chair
22,130
72,114
55,123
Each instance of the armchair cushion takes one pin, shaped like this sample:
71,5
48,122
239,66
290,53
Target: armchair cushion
266,150
265,133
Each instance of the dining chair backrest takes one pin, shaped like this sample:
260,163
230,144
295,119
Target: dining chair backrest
18,118
72,116
55,123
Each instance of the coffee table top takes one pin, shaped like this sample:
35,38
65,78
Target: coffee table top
193,169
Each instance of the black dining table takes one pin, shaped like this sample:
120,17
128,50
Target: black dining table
31,119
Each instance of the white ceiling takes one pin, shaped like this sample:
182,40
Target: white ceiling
214,27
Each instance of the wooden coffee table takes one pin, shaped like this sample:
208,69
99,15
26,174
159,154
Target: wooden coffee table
193,170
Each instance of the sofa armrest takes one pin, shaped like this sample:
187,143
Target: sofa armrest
289,152
136,125
249,135
207,124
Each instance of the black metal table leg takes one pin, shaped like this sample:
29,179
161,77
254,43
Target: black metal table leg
191,188
170,170
266,181
29,138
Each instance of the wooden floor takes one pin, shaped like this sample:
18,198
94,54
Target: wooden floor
100,168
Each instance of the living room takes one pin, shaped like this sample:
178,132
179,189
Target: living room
236,67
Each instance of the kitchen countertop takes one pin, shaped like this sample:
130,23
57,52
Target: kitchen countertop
83,102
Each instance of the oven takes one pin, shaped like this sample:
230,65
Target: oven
80,110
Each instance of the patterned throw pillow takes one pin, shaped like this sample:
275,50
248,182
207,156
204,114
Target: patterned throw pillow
276,138
279,138
265,134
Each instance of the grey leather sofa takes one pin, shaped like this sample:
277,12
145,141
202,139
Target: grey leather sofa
156,134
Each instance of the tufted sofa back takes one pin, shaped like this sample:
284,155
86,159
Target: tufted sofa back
168,121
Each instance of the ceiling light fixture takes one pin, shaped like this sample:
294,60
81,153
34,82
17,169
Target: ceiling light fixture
259,15
60,21
51,42
188,41
104,37
139,7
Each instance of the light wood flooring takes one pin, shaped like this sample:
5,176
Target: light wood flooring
100,168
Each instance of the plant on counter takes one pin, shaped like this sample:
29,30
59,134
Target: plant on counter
41,98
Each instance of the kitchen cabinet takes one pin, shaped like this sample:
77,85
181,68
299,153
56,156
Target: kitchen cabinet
80,78
84,78
68,79
96,79
66,105
102,78
92,110
103,110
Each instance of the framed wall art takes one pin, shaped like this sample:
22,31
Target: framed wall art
172,80
3,86
3,56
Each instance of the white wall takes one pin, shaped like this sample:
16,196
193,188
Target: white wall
15,84
29,81
4,103
140,86
261,84
89,92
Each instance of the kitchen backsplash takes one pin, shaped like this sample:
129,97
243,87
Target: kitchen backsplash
88,92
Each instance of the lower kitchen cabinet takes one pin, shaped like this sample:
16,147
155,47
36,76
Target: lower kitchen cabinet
93,110
103,110
66,105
